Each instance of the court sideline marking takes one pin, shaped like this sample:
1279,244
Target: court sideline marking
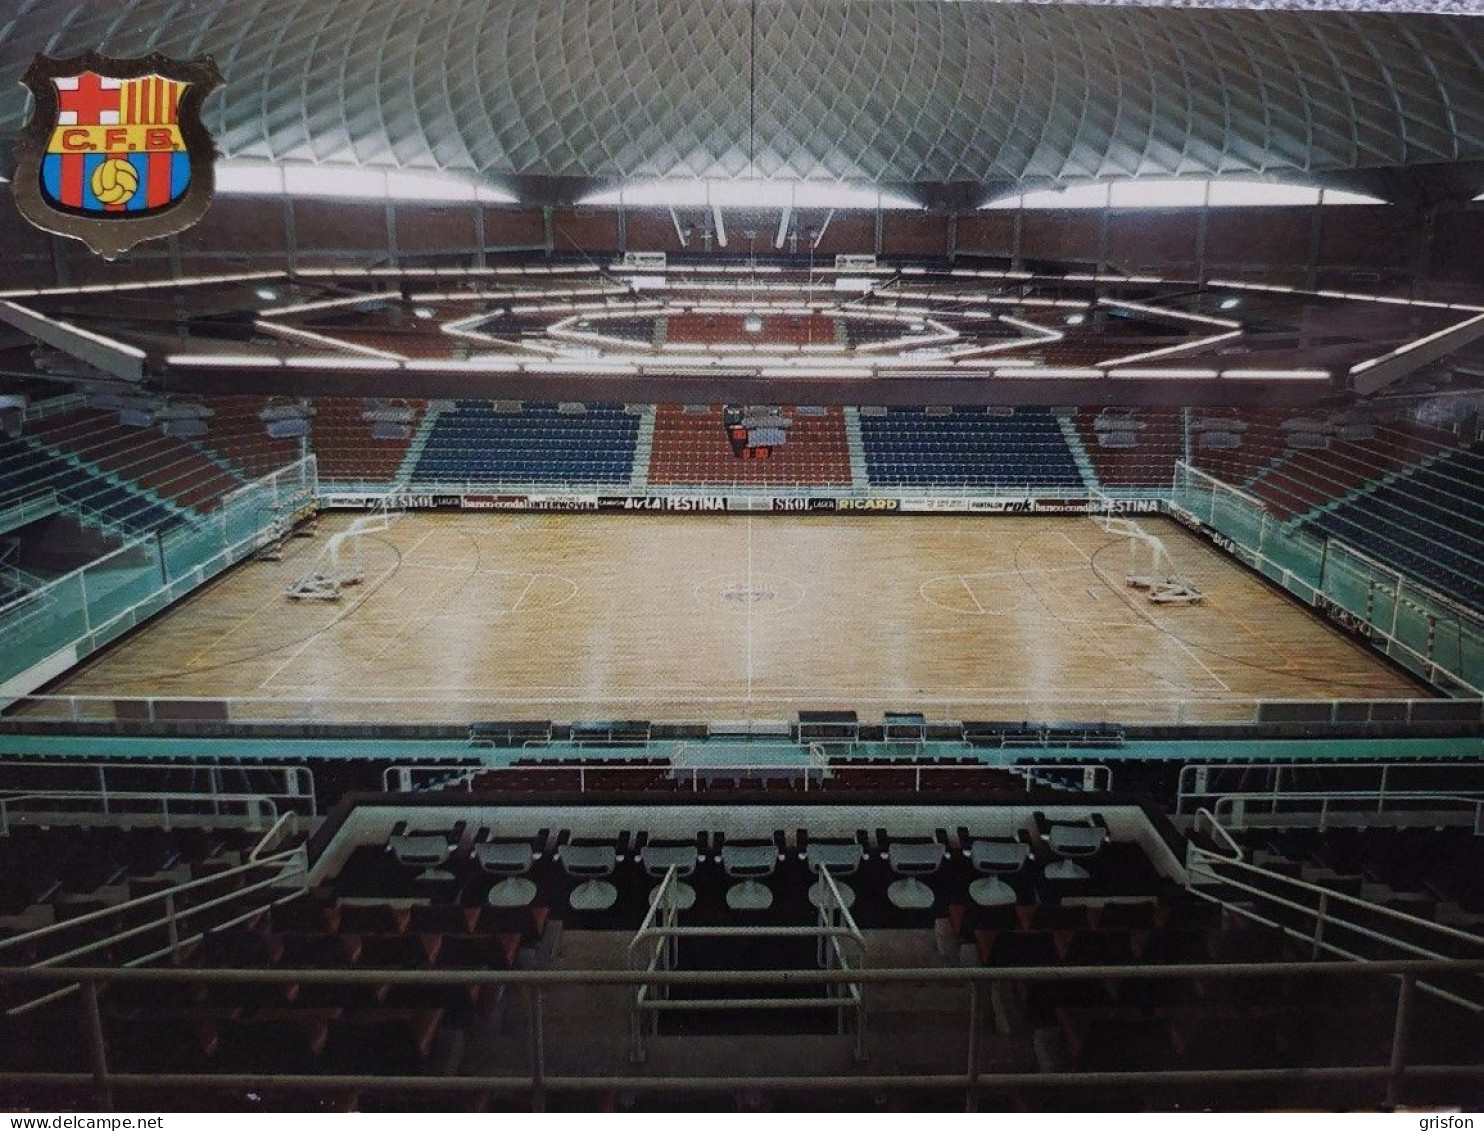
749,608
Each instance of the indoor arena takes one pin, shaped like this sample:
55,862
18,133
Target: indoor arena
656,557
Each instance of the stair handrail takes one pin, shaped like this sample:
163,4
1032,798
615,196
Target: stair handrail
1376,908
1203,865
280,858
1228,801
1219,833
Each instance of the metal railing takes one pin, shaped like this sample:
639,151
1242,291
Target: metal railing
71,806
662,933
274,710
205,788
92,605
1245,793
174,912
1274,891
810,776
1390,1079
1432,633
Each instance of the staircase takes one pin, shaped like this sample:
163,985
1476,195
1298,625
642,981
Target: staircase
721,1009
29,509
1080,457
643,447
90,517
859,474
1385,479
419,442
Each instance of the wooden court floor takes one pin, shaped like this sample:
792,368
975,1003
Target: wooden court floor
732,618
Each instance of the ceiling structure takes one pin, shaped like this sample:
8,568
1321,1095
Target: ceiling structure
704,330
949,102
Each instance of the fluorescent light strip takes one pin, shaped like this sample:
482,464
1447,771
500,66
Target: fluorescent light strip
89,335
326,340
1169,351
966,273
701,268
1046,332
1276,374
1044,336
743,286
587,370
462,328
561,329
1417,344
548,295
574,307
442,272
1135,280
752,308
171,284
352,183
909,341
751,193
215,360
1180,315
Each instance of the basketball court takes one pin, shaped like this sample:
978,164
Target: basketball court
731,617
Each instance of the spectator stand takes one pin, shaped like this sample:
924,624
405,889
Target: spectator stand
698,763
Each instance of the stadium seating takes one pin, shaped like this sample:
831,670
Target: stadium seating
480,443
26,469
969,448
1149,461
691,448
1428,524
164,466
1306,480
347,452
1260,443
235,432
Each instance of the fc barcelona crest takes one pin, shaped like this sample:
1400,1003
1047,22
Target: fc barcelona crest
115,152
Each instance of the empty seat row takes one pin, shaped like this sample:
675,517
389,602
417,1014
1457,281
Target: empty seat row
475,444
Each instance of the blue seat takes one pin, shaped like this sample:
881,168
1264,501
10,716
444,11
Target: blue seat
1429,524
538,445
968,449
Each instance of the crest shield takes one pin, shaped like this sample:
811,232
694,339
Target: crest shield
115,152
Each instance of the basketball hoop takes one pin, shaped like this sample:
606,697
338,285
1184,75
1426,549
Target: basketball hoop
1150,567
